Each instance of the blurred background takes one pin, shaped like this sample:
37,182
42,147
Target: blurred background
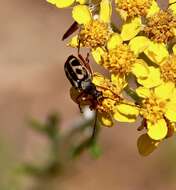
33,85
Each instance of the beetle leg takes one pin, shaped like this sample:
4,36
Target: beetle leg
79,99
94,131
86,62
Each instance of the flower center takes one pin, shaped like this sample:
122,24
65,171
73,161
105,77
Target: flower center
168,69
160,27
94,34
152,109
134,7
119,60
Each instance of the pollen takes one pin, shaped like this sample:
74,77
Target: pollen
95,34
168,69
119,60
160,27
152,109
134,8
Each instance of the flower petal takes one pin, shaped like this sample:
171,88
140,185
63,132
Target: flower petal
170,112
152,80
61,3
146,145
143,92
172,1
140,69
128,110
139,44
114,41
123,14
123,118
98,79
82,1
105,11
74,42
173,8
119,82
105,119
165,90
131,29
81,14
97,54
156,52
158,130
153,9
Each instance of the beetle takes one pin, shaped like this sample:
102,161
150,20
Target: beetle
79,74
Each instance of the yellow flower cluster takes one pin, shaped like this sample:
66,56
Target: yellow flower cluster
140,56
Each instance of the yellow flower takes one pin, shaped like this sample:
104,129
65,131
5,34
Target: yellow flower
65,3
158,108
160,27
95,29
119,59
129,9
165,72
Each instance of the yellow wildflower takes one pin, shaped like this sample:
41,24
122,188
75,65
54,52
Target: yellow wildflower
158,108
119,59
165,72
95,29
129,9
160,27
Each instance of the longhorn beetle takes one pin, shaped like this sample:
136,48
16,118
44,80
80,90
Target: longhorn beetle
79,74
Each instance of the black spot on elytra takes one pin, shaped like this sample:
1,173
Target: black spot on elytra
79,71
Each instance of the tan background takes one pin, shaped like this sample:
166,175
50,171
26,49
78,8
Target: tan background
33,84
